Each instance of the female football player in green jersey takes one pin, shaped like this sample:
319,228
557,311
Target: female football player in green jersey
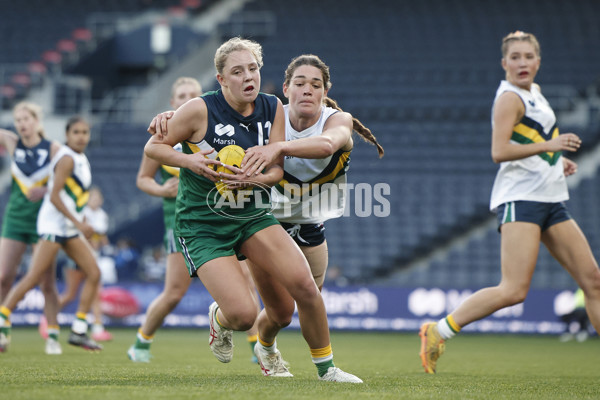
31,153
211,234
177,279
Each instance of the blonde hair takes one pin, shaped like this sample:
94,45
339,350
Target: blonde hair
523,37
184,80
314,61
237,44
34,110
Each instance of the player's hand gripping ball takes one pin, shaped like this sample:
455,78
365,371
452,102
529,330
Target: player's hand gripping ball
229,155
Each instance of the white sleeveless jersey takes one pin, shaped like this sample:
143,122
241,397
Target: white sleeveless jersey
312,190
539,177
74,195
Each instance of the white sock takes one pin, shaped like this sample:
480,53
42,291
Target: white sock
447,327
270,349
97,328
79,326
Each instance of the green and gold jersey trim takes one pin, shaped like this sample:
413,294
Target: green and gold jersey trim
174,171
529,131
77,192
23,185
329,174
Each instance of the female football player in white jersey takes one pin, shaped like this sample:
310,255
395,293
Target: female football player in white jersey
317,153
239,114
98,218
177,279
31,153
60,224
528,194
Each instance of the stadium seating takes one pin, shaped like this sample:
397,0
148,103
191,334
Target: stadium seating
54,34
422,76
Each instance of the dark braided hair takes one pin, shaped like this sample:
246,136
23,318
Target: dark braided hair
312,60
73,120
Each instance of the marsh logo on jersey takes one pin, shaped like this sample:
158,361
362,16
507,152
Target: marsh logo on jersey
224,130
221,130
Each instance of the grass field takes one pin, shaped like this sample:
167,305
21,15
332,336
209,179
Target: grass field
474,367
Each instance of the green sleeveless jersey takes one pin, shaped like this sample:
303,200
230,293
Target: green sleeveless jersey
30,167
198,201
166,173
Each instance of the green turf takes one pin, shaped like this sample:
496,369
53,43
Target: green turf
474,367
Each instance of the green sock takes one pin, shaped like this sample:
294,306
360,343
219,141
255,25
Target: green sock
143,346
141,343
324,367
252,343
53,333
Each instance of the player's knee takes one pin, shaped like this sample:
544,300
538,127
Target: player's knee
5,283
304,288
172,298
93,275
514,295
591,285
284,320
305,291
241,319
175,293
48,287
280,312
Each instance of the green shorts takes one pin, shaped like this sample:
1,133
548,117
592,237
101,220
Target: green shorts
19,232
210,243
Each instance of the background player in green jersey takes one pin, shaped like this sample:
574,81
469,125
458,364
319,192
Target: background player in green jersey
31,153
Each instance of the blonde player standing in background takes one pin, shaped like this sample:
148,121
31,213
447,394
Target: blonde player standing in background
528,194
31,154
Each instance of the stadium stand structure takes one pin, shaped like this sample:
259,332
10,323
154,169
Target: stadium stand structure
421,75
41,37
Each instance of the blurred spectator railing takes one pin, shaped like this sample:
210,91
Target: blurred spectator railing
72,95
254,24
117,105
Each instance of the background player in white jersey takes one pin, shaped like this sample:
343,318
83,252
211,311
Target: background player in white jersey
317,153
97,218
60,225
31,153
528,193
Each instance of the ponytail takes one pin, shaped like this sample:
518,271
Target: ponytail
364,132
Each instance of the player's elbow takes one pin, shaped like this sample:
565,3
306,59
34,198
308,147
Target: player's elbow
497,156
138,182
148,149
326,148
